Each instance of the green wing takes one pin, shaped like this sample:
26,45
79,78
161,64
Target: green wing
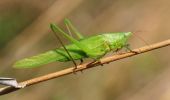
38,60
51,56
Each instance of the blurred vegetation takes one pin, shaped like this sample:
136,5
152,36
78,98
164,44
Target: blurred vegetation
24,31
12,21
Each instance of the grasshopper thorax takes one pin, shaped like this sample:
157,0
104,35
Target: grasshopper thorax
117,40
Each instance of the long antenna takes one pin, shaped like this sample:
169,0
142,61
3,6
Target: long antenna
58,38
140,37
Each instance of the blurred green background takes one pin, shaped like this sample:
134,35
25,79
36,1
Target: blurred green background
24,31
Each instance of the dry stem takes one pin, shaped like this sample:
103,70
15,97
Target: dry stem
67,71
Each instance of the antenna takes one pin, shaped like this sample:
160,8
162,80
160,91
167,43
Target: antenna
140,37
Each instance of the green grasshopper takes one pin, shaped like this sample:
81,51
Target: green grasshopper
94,47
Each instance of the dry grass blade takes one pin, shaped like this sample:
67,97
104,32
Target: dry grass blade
67,71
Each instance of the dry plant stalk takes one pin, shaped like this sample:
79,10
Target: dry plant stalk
71,70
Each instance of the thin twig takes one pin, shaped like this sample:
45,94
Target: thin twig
67,71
